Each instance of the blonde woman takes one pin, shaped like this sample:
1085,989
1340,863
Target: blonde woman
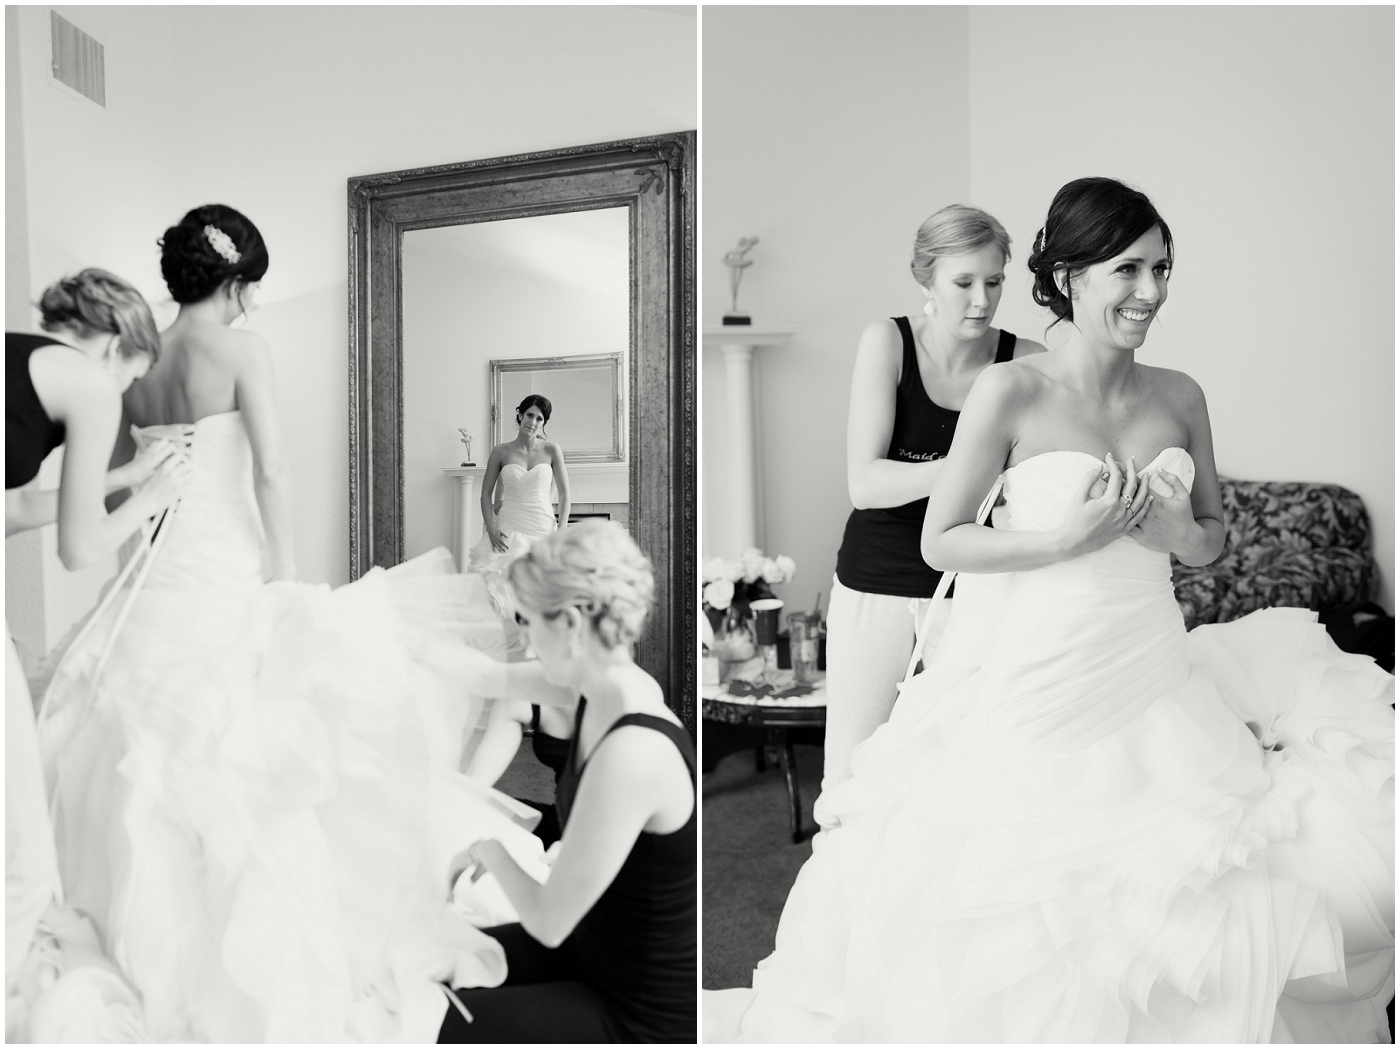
605,948
64,389
911,377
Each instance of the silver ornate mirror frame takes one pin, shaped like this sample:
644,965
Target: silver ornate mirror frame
502,413
655,179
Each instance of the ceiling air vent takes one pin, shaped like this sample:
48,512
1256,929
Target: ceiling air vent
77,60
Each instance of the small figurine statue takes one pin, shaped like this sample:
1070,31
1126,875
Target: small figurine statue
737,262
467,442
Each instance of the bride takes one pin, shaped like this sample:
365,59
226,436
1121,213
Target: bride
520,512
254,784
1080,823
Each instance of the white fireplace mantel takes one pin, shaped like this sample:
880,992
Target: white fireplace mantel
738,343
589,483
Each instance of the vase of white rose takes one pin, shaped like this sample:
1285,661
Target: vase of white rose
731,585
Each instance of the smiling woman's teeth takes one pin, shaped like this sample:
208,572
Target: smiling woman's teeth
1136,315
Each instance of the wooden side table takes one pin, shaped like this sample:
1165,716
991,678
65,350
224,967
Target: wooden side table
774,716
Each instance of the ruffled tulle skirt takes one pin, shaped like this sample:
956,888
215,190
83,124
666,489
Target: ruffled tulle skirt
1217,868
257,805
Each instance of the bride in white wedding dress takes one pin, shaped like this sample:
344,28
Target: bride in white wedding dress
515,504
1082,824
255,787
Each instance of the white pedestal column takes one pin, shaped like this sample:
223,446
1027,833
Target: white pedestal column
737,343
465,514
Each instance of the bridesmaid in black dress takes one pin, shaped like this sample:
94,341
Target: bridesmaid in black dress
65,389
605,949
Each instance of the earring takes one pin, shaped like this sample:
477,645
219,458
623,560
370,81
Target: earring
928,303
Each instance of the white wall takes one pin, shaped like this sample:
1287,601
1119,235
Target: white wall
459,315
271,109
1264,134
96,187
1266,137
830,133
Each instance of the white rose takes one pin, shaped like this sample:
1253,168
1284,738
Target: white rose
787,566
733,570
719,593
753,560
772,573
712,569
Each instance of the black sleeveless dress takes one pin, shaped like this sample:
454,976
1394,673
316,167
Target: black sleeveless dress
627,971
553,753
880,549
638,942
30,435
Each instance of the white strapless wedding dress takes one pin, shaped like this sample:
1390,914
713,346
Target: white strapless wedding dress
257,805
525,515
1068,832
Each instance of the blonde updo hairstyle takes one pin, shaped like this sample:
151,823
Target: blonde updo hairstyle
593,566
93,301
954,230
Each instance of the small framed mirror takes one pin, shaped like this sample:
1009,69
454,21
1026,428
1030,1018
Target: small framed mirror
591,431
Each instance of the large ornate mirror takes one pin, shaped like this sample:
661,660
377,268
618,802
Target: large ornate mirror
590,385
583,252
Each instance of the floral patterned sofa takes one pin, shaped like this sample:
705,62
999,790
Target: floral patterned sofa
1288,543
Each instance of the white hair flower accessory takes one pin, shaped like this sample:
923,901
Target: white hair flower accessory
223,244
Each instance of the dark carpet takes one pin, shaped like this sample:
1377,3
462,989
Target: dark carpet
748,860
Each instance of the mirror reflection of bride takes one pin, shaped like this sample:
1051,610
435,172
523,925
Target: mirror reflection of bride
515,504
256,794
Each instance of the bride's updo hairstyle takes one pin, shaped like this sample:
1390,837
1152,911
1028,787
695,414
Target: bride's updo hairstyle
534,400
211,246
593,566
954,230
1090,221
94,301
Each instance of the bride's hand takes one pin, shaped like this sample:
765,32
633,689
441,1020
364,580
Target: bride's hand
1094,521
1170,519
498,542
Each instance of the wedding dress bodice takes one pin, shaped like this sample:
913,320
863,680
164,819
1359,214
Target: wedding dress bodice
216,536
521,485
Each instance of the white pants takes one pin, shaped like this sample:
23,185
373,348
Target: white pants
869,639
31,862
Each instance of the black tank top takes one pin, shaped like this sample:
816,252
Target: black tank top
880,551
636,947
29,432
551,751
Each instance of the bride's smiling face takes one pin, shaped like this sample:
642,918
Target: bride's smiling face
1115,301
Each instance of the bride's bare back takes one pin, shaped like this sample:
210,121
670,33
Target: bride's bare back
198,374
